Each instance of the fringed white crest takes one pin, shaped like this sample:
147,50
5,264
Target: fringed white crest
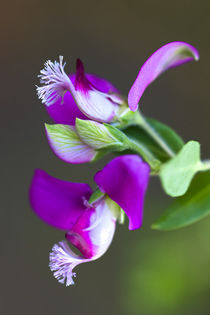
99,235
62,262
56,82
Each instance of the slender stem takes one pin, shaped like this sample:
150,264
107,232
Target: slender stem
141,121
205,165
144,152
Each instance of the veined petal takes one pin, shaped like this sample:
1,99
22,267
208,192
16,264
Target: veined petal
125,180
95,134
96,105
57,202
67,145
92,235
170,55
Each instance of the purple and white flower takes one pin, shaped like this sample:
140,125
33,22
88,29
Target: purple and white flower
78,95
88,226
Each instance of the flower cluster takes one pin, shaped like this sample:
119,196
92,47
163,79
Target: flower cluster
91,117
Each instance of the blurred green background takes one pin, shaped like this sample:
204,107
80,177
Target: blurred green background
144,272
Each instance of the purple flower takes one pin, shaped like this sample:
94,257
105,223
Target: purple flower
89,227
78,95
88,96
171,55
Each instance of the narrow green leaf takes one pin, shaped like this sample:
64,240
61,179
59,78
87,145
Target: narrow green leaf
190,208
177,173
170,137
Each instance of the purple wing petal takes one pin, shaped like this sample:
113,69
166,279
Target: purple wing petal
100,84
125,180
65,111
57,202
171,55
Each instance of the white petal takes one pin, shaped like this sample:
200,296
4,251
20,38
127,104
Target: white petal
96,105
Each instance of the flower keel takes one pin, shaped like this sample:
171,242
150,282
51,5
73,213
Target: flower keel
92,235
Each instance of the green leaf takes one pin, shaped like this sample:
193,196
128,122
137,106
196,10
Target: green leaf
177,173
169,136
190,208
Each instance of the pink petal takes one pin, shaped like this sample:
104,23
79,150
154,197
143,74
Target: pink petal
125,180
171,55
57,202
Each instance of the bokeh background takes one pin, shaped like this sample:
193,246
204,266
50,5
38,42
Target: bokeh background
144,272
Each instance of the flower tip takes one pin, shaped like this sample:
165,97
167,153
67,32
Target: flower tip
133,105
79,65
191,51
135,225
196,55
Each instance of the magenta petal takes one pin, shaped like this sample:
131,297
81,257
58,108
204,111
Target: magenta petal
65,111
57,202
171,55
100,84
125,180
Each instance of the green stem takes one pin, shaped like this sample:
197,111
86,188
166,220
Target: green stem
141,121
145,153
205,165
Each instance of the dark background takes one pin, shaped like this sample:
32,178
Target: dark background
143,272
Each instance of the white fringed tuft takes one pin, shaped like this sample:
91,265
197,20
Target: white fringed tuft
98,237
62,262
55,80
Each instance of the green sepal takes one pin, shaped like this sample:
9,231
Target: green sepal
190,208
98,136
97,194
113,207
